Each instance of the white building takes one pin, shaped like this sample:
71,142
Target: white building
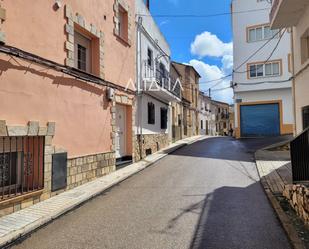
155,89
207,120
263,93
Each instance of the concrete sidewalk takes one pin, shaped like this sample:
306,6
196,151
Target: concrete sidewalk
23,222
274,168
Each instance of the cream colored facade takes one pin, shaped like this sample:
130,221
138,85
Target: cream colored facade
295,15
190,85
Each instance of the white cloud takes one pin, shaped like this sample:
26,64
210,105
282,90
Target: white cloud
227,63
208,44
213,72
208,72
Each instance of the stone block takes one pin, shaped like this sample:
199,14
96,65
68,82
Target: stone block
26,203
80,20
51,128
69,29
33,128
124,100
71,38
93,29
70,55
2,14
73,171
2,37
17,206
48,140
3,129
47,159
44,196
68,12
17,131
69,46
6,210
42,131
49,150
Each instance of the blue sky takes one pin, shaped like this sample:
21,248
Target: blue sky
205,43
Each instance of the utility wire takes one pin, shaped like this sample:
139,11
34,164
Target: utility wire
201,16
264,82
220,80
269,57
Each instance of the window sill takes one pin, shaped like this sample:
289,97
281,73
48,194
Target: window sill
123,40
264,77
20,198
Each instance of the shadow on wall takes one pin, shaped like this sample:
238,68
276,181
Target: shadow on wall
57,80
220,148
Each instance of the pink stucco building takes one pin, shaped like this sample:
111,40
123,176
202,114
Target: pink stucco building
64,71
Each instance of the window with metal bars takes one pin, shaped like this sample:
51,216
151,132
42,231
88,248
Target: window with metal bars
163,118
151,113
21,165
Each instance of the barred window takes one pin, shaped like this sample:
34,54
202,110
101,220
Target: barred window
163,118
151,113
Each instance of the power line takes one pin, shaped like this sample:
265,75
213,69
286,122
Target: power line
269,57
263,82
250,57
202,16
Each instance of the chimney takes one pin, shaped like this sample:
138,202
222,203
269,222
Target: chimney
148,4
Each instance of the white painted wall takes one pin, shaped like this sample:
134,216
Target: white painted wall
243,50
277,94
156,128
301,81
204,107
150,38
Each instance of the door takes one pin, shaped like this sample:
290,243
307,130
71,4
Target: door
260,120
305,117
120,143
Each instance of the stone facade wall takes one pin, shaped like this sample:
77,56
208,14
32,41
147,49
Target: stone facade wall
79,170
84,169
153,142
33,128
298,197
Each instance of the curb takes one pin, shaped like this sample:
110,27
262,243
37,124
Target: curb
286,223
18,236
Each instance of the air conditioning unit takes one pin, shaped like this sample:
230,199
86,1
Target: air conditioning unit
110,93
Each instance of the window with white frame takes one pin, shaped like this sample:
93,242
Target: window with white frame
262,32
269,69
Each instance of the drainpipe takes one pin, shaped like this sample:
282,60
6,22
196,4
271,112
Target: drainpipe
139,85
293,80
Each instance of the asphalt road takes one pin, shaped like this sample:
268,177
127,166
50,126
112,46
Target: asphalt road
205,195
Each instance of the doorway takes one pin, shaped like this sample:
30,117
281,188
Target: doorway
120,139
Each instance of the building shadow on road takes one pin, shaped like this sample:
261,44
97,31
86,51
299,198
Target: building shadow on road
233,217
228,148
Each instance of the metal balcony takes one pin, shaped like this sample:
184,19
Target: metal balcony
161,85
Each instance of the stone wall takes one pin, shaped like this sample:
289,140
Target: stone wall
149,142
84,169
298,197
79,170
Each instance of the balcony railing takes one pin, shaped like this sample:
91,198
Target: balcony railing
300,157
163,79
21,165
